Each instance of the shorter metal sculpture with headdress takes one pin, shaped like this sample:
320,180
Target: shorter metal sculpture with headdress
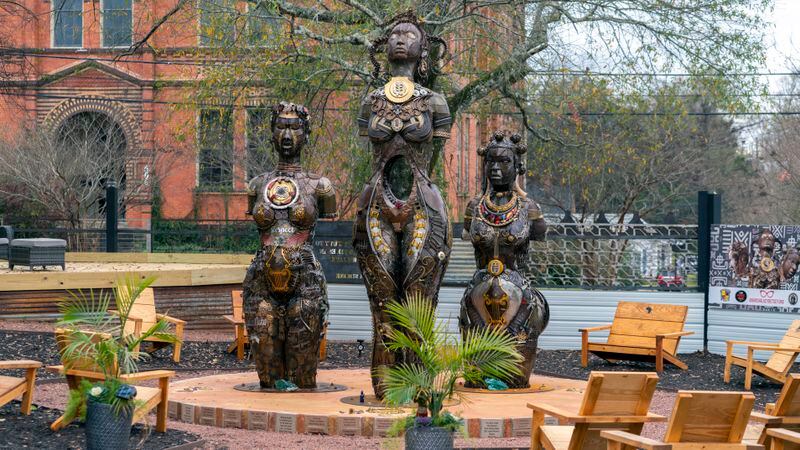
285,297
500,223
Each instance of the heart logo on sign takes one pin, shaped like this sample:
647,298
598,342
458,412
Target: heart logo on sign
767,294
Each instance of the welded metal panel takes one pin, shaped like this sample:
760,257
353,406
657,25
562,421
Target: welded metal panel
569,310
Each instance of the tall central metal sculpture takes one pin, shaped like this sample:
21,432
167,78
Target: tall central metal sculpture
401,233
285,297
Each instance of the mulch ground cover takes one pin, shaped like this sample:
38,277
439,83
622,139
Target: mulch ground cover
195,355
33,431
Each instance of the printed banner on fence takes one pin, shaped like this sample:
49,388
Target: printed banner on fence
754,267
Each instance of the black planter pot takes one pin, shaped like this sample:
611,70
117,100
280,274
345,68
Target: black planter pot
106,430
429,438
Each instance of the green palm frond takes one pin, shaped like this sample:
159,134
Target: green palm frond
405,383
80,309
440,358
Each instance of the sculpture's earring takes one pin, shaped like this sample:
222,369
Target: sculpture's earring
422,69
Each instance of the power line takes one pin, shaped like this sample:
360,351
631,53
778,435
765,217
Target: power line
576,73
545,114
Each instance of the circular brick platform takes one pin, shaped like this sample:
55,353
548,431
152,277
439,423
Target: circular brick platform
213,401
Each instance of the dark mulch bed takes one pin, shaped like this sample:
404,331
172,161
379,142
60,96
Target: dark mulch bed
704,373
194,355
33,431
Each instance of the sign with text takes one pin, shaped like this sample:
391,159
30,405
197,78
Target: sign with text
333,245
754,267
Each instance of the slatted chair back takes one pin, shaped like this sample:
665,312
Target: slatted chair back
63,339
781,361
613,394
143,308
238,305
709,417
788,403
637,324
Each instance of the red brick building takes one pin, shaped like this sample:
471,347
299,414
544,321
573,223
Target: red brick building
70,61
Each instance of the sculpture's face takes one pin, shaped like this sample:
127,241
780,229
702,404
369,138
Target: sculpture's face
766,242
500,166
288,135
405,43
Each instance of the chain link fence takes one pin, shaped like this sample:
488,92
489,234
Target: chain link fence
579,256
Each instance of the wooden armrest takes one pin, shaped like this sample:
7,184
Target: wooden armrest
554,411
149,375
773,347
573,417
765,418
784,434
634,440
732,343
232,320
170,319
88,374
597,328
20,364
675,334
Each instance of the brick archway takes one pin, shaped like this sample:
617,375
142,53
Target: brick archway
115,110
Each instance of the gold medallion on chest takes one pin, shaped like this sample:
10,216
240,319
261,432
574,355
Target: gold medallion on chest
399,89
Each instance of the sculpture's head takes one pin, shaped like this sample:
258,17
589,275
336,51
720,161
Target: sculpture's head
290,129
791,260
503,160
766,241
406,43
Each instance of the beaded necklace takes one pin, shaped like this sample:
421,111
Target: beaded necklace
498,215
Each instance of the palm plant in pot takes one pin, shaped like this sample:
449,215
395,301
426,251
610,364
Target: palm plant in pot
92,338
437,360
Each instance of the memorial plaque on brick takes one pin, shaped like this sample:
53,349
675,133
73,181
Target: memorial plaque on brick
208,416
172,410
521,427
258,420
317,424
187,413
231,418
491,428
348,426
381,425
333,244
285,423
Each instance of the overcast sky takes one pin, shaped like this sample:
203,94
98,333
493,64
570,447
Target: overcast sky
784,42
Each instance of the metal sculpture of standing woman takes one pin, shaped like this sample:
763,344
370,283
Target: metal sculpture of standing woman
401,233
285,297
500,223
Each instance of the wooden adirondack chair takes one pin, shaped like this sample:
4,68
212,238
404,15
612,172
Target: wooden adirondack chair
783,439
237,320
13,387
640,332
612,400
784,413
150,397
143,315
241,340
700,420
778,365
